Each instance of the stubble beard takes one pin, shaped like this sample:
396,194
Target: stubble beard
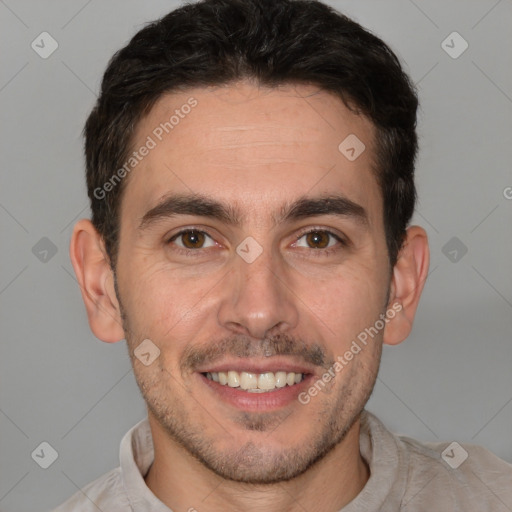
253,463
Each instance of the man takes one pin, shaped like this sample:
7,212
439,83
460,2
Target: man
250,169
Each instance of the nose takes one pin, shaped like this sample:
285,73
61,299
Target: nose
258,300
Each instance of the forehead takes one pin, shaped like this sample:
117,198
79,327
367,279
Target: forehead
253,147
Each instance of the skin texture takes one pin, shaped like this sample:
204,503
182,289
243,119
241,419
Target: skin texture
302,301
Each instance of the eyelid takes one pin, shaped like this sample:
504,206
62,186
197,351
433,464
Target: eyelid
184,250
338,236
187,229
341,239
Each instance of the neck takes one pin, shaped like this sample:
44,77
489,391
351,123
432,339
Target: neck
182,483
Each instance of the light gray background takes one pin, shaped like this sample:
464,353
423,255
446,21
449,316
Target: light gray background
451,380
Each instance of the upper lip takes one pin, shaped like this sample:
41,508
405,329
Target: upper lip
258,365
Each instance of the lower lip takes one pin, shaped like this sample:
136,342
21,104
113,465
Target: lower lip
269,401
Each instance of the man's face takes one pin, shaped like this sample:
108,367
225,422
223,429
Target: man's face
252,292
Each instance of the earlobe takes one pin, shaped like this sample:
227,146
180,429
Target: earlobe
96,281
409,276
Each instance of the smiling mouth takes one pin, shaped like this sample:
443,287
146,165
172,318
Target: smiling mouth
255,382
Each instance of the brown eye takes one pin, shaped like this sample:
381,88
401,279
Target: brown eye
321,242
192,239
318,239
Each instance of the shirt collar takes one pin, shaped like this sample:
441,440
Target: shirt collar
388,464
136,455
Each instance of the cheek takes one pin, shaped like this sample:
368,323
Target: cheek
147,297
350,296
164,306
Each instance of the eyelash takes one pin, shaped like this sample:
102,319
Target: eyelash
316,252
192,253
324,252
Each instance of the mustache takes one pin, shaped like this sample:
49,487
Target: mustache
244,346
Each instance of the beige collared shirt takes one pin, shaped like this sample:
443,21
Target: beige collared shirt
406,475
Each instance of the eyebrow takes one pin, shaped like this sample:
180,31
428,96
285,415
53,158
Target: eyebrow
203,206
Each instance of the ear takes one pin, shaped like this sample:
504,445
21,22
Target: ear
96,280
409,276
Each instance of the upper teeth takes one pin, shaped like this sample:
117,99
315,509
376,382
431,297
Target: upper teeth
255,382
